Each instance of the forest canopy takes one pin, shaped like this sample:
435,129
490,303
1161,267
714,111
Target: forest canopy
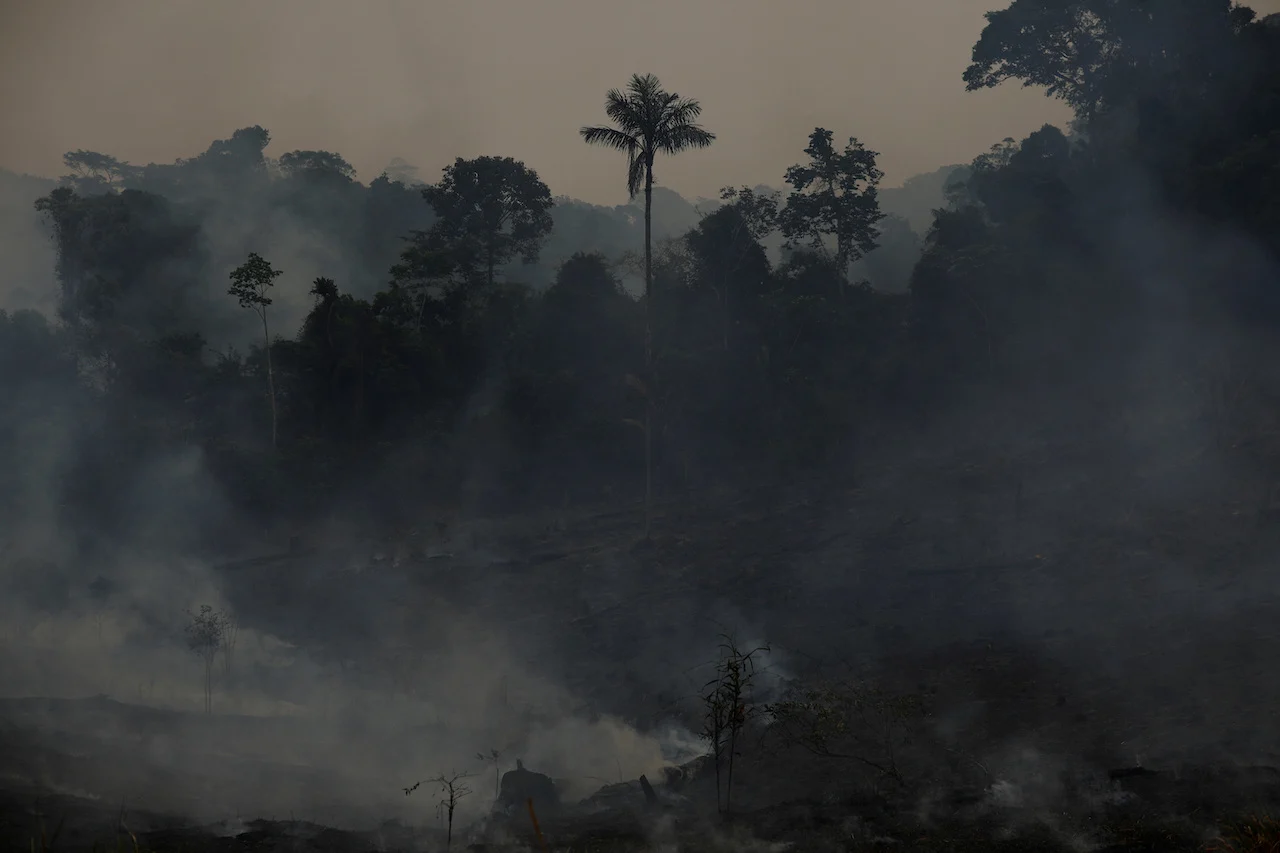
480,339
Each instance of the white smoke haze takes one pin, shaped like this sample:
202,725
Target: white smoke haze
358,743
1072,577
336,736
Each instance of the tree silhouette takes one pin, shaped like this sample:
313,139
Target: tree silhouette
316,162
493,756
250,284
204,639
491,209
1097,54
92,173
834,196
729,707
452,789
648,120
726,250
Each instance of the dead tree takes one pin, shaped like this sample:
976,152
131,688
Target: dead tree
230,633
204,639
729,707
452,789
494,756
851,722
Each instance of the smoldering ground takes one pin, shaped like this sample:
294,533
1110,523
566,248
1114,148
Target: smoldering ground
1067,566
292,732
349,683
347,679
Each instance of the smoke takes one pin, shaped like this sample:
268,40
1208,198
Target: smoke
26,254
311,715
319,739
351,677
1047,579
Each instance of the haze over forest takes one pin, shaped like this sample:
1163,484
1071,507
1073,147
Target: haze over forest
401,79
401,389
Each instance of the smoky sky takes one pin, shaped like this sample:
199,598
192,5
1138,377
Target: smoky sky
153,80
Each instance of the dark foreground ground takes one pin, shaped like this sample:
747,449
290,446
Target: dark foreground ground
1064,612
1193,809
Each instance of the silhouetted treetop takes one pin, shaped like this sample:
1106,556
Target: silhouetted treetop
295,163
647,120
490,210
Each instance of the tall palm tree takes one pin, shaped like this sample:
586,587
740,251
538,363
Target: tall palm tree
648,120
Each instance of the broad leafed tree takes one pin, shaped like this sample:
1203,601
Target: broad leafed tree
833,197
491,210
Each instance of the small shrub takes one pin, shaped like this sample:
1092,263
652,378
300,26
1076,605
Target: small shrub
1257,834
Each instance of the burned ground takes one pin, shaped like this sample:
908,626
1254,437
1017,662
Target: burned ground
1048,647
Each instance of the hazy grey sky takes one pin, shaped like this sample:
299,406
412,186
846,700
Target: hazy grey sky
152,80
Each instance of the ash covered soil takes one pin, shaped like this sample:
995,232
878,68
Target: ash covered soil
1062,617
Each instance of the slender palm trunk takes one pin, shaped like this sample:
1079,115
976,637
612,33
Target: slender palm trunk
724,315
271,378
717,753
208,685
358,426
326,407
648,348
728,784
422,309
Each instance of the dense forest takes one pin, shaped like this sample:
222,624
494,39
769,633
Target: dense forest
277,335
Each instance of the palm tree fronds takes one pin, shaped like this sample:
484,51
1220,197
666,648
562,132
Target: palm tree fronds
610,137
623,110
682,110
684,137
644,87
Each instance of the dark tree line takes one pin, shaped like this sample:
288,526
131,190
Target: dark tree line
449,377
